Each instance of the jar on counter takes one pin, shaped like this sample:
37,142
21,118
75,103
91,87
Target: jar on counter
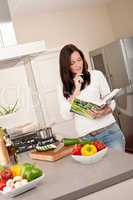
11,149
4,156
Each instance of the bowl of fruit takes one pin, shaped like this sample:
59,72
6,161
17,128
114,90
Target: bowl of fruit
19,178
89,153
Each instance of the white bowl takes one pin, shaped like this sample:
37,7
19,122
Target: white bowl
24,188
90,159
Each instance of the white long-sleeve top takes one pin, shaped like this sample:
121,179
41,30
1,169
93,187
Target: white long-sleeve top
94,92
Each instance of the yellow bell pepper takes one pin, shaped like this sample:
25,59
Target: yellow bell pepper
16,169
88,150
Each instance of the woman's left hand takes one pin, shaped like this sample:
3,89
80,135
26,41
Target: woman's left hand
102,112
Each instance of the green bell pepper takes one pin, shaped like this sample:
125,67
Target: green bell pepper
30,172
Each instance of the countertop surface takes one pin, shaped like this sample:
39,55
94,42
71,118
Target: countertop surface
67,179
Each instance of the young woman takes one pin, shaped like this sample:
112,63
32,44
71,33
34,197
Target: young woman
78,82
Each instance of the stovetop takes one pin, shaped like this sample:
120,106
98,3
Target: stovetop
27,141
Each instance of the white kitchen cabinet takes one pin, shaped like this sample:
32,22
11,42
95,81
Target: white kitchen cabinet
14,61
13,86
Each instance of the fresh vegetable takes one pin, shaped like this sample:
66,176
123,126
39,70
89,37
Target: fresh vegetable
14,183
70,141
18,175
88,150
99,145
16,169
19,182
7,189
30,172
10,183
45,147
6,174
2,184
17,178
73,141
77,149
25,167
24,181
1,168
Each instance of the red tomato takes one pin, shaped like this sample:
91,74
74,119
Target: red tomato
2,184
76,149
6,174
99,145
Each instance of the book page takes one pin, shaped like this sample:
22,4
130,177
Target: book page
108,97
111,95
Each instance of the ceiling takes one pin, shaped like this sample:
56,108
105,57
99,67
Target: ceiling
36,7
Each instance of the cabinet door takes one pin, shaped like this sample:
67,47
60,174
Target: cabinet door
13,87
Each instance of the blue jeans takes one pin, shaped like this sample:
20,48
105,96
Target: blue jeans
112,136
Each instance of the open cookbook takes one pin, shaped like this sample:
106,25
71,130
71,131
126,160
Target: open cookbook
85,108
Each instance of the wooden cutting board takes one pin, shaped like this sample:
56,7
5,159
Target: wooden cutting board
51,155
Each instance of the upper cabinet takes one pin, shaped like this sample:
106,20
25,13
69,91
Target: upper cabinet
17,82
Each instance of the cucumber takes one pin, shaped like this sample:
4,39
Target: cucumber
85,142
73,141
45,147
70,141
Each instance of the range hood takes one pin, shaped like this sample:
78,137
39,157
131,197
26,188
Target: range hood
20,50
7,33
9,49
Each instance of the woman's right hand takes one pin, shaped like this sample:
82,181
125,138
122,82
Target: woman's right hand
78,80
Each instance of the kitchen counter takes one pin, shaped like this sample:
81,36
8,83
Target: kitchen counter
67,179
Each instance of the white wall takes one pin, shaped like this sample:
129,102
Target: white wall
88,28
121,16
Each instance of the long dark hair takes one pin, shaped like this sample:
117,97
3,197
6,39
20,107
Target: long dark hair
65,72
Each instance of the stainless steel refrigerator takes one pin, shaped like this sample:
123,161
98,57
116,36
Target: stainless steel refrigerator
115,60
